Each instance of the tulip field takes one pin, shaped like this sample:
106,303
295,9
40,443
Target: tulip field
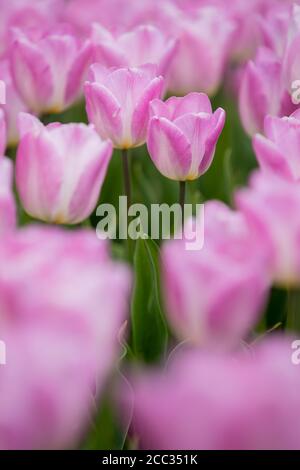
149,225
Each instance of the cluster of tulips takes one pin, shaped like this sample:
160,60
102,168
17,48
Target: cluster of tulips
145,73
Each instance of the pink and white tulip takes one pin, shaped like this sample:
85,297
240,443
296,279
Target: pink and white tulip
204,46
271,206
49,71
117,102
262,92
60,325
220,402
60,169
183,134
278,150
2,133
7,200
13,106
144,44
207,303
291,60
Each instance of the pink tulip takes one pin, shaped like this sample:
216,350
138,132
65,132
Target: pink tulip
204,46
183,134
262,92
143,45
7,201
291,60
26,15
214,296
48,71
60,325
278,151
271,206
13,106
60,169
117,102
2,133
248,401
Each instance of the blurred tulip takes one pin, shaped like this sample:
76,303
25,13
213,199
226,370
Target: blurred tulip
183,134
216,402
2,133
271,206
60,169
291,60
262,92
204,46
13,105
117,102
48,71
145,44
207,302
278,151
7,200
60,325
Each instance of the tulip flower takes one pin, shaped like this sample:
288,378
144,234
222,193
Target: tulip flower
7,201
220,402
262,92
60,169
183,134
204,46
61,334
2,133
48,72
291,60
271,206
145,44
208,303
117,102
13,106
278,151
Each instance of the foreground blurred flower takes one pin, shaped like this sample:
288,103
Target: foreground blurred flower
262,92
2,133
204,44
145,44
272,206
60,324
210,402
60,169
13,105
279,150
208,303
182,135
7,200
117,102
49,71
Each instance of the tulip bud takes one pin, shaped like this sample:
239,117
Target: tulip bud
48,72
60,169
117,102
214,296
278,151
183,134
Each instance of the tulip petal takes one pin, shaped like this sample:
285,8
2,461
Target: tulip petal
140,116
2,132
104,111
169,149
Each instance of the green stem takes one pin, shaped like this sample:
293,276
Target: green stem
293,309
182,193
127,190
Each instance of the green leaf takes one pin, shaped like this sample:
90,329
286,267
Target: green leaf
149,330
